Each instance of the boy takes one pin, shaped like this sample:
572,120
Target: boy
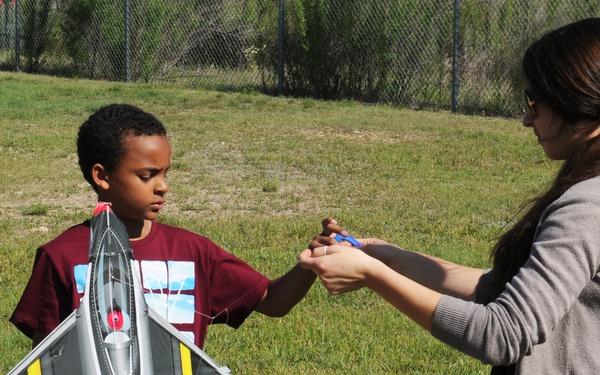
125,155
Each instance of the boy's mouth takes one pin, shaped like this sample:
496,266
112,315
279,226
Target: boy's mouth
157,206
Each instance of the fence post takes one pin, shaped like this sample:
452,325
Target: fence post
280,63
455,75
127,41
17,36
6,28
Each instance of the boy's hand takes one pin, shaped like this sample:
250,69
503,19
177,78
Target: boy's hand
326,237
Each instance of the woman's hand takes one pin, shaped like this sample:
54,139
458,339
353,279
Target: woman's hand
342,269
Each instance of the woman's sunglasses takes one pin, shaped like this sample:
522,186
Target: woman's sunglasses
529,103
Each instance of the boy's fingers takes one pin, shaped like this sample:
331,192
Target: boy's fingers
331,227
320,241
328,220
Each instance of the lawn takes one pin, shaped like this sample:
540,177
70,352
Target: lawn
257,174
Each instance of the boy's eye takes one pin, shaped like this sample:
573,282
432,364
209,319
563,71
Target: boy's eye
145,178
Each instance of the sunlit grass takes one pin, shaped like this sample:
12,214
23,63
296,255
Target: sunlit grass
257,174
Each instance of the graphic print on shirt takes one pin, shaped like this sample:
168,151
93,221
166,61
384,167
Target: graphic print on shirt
168,288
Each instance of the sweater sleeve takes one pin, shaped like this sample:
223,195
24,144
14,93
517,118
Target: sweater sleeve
565,256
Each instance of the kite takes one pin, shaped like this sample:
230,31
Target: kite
113,331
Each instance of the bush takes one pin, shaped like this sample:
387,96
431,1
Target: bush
37,25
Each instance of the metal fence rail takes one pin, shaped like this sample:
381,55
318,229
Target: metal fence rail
459,55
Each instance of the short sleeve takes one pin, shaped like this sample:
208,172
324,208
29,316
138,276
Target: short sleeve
38,308
236,289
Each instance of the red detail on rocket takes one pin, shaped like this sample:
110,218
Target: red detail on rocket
115,320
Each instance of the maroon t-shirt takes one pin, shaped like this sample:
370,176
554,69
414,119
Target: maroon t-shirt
187,279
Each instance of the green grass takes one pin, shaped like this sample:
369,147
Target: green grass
257,174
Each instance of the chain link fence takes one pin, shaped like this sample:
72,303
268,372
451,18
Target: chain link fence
459,55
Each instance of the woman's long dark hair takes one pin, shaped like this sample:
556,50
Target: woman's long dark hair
563,68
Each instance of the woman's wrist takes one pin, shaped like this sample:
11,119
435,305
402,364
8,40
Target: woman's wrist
373,270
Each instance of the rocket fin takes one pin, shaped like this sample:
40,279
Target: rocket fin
178,355
57,354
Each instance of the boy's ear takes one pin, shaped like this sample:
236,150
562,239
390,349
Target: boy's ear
100,176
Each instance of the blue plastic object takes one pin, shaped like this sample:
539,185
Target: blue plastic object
352,240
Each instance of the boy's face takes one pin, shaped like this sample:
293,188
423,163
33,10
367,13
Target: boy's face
137,187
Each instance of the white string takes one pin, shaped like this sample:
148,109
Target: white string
212,318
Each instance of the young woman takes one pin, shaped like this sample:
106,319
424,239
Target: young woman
537,310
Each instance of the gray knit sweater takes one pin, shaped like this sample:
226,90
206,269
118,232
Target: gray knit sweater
548,318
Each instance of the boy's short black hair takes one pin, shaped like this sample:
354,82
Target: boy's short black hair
102,138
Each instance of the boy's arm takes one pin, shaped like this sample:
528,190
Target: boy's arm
37,338
286,291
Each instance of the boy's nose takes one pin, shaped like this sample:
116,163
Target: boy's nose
163,186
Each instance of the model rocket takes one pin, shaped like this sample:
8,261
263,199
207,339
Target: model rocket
113,332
